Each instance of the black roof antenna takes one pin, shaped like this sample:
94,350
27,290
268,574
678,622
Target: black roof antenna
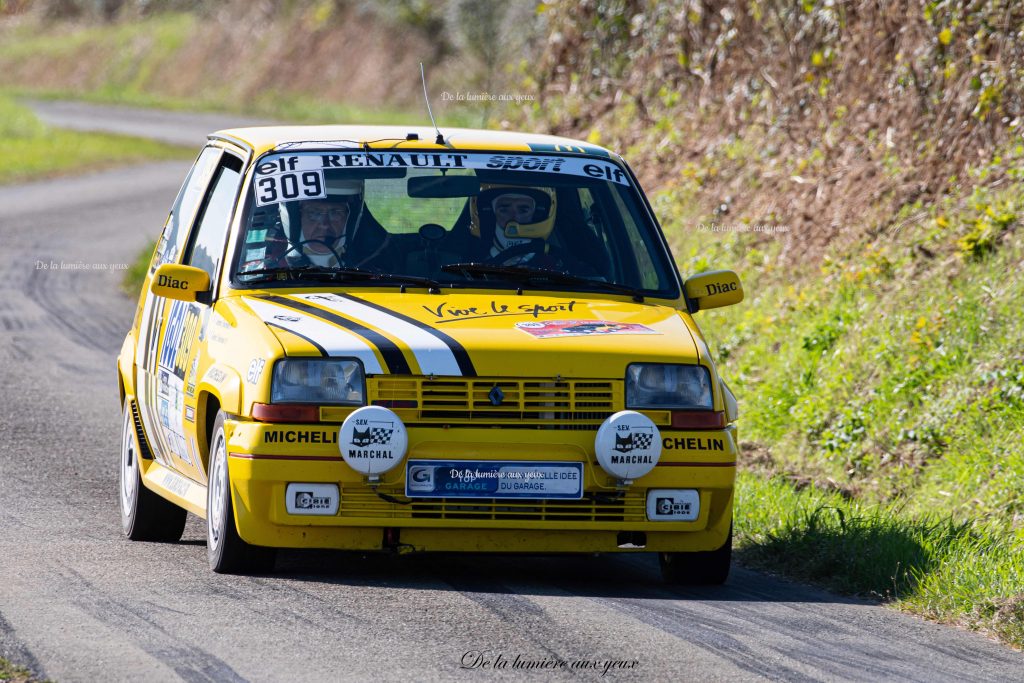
423,77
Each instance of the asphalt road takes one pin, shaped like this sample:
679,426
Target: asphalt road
176,128
78,602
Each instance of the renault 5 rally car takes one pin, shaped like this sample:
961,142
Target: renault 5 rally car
369,338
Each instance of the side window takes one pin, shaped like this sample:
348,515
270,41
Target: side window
206,246
183,212
590,214
639,248
596,219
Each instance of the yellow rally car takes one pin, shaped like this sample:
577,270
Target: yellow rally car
372,338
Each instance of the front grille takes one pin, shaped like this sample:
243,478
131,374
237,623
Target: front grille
359,502
563,404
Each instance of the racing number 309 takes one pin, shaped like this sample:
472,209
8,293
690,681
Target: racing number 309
288,186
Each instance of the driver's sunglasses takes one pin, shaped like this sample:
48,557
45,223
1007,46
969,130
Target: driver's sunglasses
321,214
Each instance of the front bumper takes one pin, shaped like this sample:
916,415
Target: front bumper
264,459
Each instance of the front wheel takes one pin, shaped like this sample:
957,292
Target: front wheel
227,552
706,568
145,516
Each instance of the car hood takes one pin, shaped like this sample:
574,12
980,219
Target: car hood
466,334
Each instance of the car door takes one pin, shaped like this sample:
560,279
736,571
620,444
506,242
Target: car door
174,328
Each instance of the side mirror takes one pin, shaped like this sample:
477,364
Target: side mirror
183,283
713,290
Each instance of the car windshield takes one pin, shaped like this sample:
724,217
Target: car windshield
503,220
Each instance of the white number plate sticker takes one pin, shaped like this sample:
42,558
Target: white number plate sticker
286,187
493,479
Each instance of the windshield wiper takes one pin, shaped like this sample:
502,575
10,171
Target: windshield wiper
290,272
322,273
528,274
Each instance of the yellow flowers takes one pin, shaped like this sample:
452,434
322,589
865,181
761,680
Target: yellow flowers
945,36
992,220
926,332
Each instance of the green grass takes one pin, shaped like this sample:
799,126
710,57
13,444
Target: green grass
894,370
284,107
12,673
128,59
964,572
887,384
136,273
891,378
881,399
31,150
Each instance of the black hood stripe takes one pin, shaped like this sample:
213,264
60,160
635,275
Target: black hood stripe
393,356
457,349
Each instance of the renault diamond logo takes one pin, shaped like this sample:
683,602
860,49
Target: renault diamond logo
496,395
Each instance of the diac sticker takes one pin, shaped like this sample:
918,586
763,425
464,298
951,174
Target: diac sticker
581,328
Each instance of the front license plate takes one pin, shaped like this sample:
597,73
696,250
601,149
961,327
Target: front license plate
493,479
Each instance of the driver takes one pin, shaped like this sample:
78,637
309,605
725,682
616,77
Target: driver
327,227
509,218
334,231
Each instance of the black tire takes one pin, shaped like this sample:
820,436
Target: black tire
227,552
706,568
145,516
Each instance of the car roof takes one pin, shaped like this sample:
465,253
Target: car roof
266,138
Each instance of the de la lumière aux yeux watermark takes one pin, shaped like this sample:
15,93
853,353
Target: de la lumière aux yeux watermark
79,265
769,228
483,660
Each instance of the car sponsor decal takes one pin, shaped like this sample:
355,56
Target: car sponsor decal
175,483
393,356
600,170
179,334
288,177
300,436
567,149
581,328
493,479
436,352
692,443
673,505
329,339
256,366
164,395
312,499
445,313
181,449
190,384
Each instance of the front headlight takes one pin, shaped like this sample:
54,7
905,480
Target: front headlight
676,387
318,380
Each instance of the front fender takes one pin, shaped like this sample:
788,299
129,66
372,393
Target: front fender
224,383
126,367
732,407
